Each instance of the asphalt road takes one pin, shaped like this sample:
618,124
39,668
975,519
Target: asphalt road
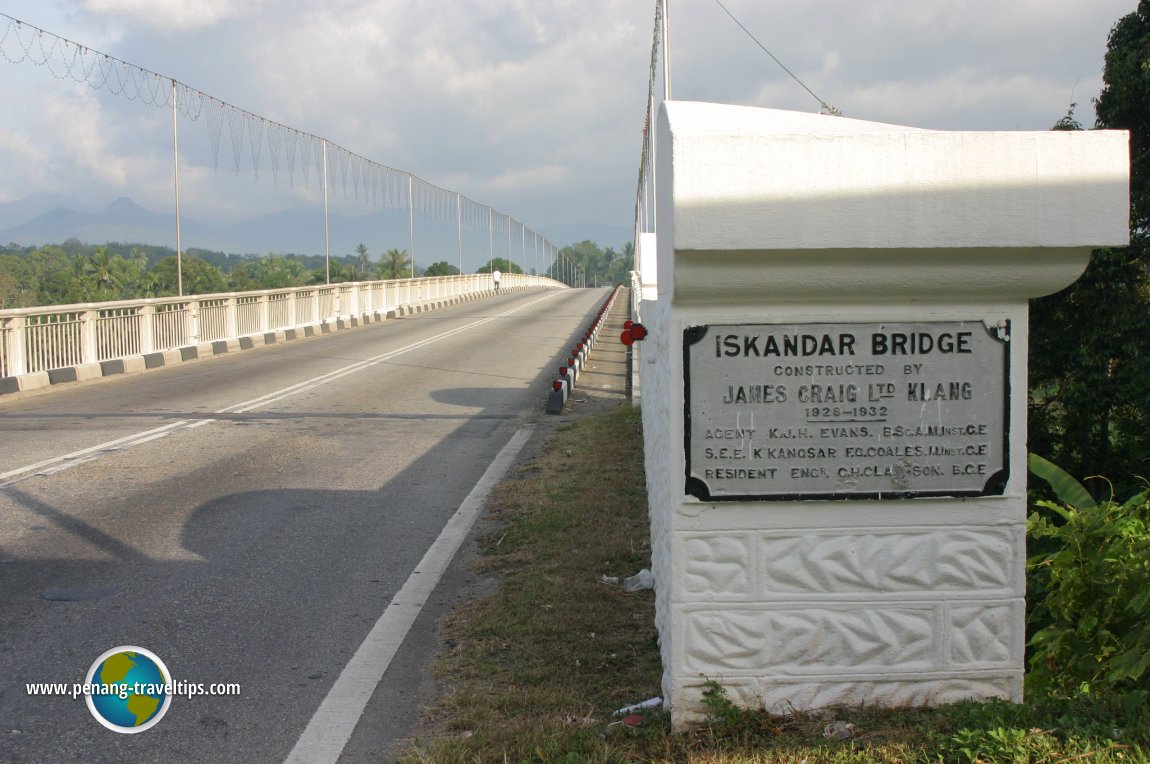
248,519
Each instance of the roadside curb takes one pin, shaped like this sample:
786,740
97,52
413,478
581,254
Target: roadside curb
611,314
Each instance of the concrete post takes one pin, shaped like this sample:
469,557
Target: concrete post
194,308
89,326
835,397
146,319
15,339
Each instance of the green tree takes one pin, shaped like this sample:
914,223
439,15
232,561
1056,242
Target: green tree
361,252
200,277
341,272
1090,343
597,266
243,277
1124,102
501,264
18,284
620,268
297,271
272,273
81,288
105,275
55,279
9,291
395,264
133,271
152,284
442,268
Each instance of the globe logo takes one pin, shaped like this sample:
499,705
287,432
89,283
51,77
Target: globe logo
130,689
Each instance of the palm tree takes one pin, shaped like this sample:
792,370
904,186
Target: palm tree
361,250
341,272
394,264
101,267
296,271
152,285
273,272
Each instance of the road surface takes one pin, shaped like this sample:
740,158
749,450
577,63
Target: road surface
249,519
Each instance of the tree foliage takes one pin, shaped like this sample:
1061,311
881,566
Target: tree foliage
362,258
1124,103
1090,343
1089,590
441,268
501,264
75,272
596,266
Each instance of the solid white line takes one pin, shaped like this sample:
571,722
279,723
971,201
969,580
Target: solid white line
61,463
336,718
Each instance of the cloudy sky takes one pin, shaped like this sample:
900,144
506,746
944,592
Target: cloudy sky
534,107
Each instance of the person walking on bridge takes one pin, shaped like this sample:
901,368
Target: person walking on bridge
495,276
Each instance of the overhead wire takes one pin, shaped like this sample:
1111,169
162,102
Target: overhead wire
21,42
645,153
823,105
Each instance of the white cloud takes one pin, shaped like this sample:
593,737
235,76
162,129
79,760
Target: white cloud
25,167
56,148
169,15
533,107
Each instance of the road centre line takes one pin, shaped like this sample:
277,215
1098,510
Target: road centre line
333,723
242,408
66,461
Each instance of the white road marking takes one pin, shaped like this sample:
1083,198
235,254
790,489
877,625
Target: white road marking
61,463
335,720
85,454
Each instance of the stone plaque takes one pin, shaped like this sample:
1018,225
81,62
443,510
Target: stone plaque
846,411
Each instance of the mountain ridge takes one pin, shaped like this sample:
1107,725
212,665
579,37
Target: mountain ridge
44,219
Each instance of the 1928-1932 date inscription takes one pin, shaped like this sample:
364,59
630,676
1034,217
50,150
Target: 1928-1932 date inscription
846,410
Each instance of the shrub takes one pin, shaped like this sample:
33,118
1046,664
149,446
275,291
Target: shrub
1094,573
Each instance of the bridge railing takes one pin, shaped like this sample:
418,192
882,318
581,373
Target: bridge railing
58,336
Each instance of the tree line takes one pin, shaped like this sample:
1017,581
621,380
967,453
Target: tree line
1089,406
596,266
77,272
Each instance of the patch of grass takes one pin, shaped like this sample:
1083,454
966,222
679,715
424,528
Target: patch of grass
534,671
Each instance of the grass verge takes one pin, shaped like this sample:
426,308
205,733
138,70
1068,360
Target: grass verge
533,672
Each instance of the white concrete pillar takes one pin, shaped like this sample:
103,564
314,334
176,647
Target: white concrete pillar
89,341
834,397
15,346
648,266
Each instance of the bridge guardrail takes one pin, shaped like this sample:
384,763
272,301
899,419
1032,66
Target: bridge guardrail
88,339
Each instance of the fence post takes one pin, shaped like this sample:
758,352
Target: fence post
146,317
264,310
88,343
193,314
231,318
353,300
15,345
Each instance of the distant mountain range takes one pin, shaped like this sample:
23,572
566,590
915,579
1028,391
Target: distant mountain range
38,220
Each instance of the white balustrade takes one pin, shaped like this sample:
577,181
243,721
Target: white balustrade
53,337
